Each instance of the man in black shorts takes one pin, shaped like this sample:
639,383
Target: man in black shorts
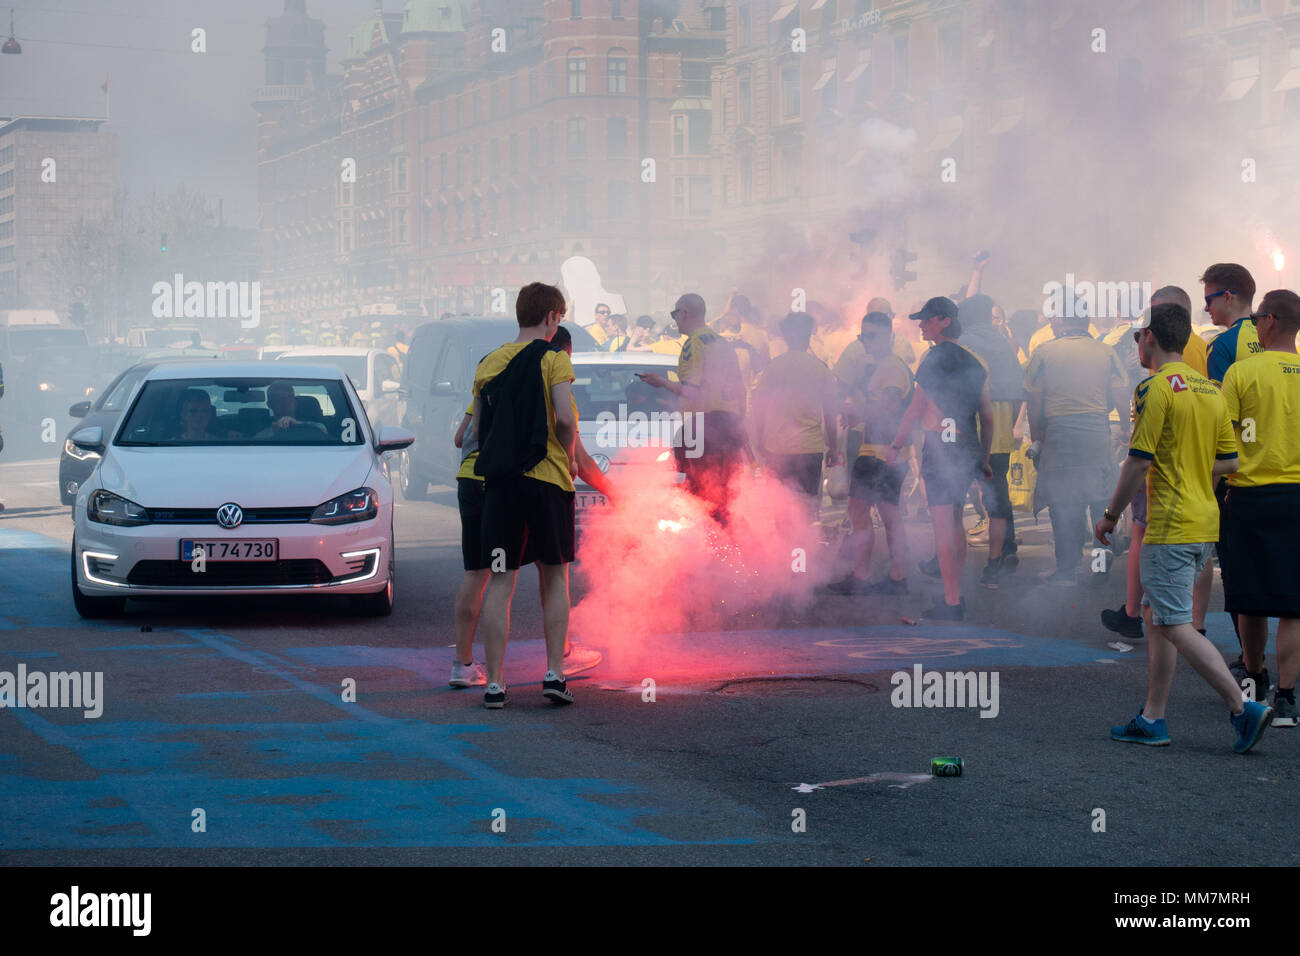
952,404
1262,508
879,397
531,510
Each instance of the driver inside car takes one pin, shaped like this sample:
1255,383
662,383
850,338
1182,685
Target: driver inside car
280,399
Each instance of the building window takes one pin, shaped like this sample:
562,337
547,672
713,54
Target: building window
679,135
828,84
478,166
791,170
695,77
1193,14
900,62
534,148
577,74
679,197
442,169
618,199
478,106
576,137
460,112
428,175
616,137
1245,8
742,75
790,91
701,128
616,9
550,143
494,158
345,189
399,174
616,75
532,87
701,197
577,205
345,236
399,226
746,178
950,66
512,93
575,9
514,153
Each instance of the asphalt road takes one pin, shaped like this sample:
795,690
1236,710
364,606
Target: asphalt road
235,708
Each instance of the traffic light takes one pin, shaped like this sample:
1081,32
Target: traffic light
899,270
162,242
77,313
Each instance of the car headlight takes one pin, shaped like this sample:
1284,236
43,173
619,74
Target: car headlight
81,454
46,387
359,505
108,508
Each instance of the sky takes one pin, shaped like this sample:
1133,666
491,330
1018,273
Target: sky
179,116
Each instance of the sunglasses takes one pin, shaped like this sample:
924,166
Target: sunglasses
1215,295
602,311
674,313
1256,316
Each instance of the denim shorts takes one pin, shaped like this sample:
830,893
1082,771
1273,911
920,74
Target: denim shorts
1168,576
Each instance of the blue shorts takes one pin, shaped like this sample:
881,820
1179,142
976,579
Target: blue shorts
1168,577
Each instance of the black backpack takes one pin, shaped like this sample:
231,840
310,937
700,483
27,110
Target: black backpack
514,431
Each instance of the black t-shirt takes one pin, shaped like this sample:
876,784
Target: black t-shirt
953,379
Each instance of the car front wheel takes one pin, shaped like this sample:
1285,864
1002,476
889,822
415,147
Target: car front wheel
411,481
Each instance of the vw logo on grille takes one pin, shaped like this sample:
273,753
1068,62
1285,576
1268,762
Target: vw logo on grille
602,462
230,515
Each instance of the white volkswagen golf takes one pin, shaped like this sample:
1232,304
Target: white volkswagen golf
242,479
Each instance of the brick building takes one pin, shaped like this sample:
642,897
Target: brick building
58,175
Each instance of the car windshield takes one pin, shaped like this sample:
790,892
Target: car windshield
241,411
353,366
602,388
115,398
23,341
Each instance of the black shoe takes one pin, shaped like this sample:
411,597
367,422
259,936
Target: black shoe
930,567
847,585
1238,669
886,586
556,691
494,698
989,576
1262,688
939,611
1122,624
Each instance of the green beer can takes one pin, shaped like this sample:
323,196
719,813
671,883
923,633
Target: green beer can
946,766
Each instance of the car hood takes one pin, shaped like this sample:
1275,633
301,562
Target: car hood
250,476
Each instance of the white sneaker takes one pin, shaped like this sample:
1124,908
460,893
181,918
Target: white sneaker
467,675
580,659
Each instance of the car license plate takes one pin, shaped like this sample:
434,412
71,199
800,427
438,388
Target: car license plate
591,499
266,549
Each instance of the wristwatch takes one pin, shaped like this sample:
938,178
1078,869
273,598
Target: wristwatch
1108,516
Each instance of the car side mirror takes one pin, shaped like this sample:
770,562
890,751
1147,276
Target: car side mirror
91,439
394,438
444,390
79,410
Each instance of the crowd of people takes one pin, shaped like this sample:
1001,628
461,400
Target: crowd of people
1193,441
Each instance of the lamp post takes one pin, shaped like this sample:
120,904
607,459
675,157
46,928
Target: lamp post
11,45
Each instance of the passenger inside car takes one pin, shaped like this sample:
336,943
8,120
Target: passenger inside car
280,399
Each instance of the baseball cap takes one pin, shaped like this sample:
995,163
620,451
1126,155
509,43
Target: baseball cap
938,307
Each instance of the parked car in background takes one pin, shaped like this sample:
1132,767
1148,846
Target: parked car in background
373,373
437,380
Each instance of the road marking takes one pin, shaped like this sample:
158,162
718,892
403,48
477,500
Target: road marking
901,781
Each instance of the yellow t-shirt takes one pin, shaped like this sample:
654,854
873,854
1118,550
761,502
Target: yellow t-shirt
597,333
709,361
880,427
556,369
789,396
1047,334
1237,342
1263,397
467,463
667,347
1182,426
1075,374
1004,420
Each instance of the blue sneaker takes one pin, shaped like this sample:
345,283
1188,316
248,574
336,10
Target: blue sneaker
1138,731
1250,725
